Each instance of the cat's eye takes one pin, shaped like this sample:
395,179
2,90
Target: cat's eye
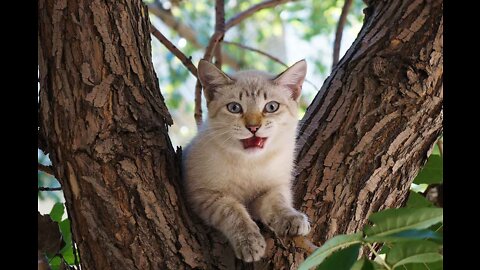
271,106
234,107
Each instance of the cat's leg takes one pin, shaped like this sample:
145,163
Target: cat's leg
274,209
229,216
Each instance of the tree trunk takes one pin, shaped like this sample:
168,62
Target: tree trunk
104,124
372,125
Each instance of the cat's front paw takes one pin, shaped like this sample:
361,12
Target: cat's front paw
293,224
250,246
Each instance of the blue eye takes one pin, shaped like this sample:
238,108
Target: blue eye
271,106
234,107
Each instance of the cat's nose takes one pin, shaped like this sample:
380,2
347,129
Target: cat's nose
253,128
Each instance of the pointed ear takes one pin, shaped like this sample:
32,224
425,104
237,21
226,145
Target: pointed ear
293,78
211,77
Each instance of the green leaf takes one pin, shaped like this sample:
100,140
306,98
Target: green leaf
438,265
67,250
365,264
67,253
407,235
334,244
57,211
66,233
432,172
392,221
416,200
413,252
341,260
384,249
55,263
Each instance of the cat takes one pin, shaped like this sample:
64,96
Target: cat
239,166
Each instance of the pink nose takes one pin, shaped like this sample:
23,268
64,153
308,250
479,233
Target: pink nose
253,129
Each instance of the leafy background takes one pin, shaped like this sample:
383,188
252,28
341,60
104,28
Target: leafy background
289,32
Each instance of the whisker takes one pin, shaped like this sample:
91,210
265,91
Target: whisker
229,137
214,136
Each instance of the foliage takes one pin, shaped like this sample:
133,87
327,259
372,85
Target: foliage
406,231
411,237
64,256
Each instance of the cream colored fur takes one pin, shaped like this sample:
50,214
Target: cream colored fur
228,185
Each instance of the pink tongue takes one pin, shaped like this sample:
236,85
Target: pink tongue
253,142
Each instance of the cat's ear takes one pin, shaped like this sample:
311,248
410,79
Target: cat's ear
293,78
211,77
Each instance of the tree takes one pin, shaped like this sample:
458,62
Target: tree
104,123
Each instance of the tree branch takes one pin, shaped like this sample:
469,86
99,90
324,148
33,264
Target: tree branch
45,169
49,188
249,12
186,32
219,27
339,33
273,58
186,61
257,51
182,29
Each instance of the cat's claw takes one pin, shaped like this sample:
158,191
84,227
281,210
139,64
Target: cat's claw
250,247
292,225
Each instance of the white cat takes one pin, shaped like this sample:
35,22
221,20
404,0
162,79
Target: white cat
240,164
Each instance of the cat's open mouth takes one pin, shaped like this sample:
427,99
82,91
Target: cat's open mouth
253,142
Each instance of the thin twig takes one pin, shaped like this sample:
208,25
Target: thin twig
186,61
339,33
49,188
249,12
219,27
378,256
257,51
214,40
273,58
45,169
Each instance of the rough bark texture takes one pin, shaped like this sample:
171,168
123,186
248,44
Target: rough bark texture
376,118
104,123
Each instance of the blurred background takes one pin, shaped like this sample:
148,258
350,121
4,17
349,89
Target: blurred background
288,33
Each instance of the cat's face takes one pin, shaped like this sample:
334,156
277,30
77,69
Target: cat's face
251,110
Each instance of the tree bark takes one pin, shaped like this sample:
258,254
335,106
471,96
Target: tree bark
375,120
361,142
105,123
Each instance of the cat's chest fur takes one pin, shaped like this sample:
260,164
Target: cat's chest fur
243,177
